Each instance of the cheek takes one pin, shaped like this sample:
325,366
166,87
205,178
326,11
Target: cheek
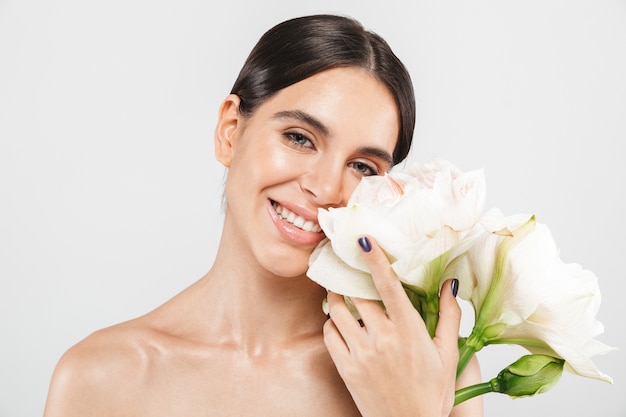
277,158
265,163
283,162
350,187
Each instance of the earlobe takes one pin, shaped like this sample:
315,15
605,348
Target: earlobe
229,120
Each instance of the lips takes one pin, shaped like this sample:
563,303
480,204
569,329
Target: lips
294,227
298,221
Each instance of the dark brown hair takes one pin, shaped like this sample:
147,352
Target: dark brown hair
299,48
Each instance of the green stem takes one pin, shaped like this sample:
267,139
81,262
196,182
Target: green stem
431,314
426,298
477,339
467,348
472,391
414,297
426,304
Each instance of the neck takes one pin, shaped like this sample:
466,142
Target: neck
255,310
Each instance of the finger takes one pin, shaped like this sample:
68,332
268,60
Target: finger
343,319
334,342
371,312
447,332
385,279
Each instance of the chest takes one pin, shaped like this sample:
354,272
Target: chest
227,385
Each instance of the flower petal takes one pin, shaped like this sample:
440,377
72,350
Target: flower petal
577,358
519,285
329,271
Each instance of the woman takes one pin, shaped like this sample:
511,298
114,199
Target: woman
319,103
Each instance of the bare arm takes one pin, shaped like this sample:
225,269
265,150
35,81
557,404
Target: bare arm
470,376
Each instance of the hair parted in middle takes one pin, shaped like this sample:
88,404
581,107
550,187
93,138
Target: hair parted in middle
304,46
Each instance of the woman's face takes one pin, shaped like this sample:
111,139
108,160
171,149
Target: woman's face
305,148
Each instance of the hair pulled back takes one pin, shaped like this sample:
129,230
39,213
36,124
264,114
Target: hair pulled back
299,48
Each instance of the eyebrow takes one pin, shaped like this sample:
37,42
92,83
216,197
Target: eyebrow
321,127
303,117
378,153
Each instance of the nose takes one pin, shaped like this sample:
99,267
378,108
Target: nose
326,184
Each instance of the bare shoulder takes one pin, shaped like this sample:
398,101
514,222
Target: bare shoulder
100,374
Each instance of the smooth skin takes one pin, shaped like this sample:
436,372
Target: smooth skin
249,338
368,352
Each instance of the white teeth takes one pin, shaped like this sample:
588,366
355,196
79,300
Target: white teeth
308,226
298,221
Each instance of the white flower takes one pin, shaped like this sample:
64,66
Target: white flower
524,294
423,218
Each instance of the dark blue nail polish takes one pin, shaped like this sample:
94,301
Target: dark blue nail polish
454,285
365,244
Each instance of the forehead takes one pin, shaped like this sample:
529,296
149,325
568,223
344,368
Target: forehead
349,101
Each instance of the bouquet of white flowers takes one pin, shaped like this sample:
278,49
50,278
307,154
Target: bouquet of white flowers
429,220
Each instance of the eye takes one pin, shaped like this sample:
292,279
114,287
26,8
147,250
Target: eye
299,139
363,168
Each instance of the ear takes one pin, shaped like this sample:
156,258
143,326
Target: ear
228,123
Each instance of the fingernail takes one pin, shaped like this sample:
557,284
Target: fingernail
327,316
365,244
454,285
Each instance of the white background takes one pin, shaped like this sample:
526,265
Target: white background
110,195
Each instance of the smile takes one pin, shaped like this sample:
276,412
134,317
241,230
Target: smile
294,219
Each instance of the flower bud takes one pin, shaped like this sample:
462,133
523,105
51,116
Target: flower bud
529,375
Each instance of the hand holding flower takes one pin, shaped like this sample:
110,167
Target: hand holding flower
393,339
423,219
428,226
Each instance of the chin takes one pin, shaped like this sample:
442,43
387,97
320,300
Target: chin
290,273
285,261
